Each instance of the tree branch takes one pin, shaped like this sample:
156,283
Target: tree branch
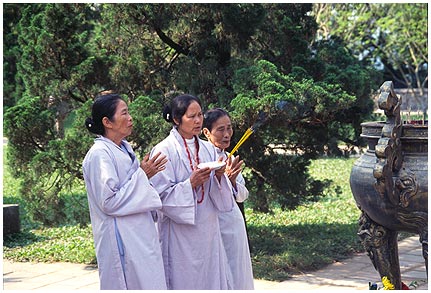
165,39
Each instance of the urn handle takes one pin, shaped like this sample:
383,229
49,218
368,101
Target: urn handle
388,148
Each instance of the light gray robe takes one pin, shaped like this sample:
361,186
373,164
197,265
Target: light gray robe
121,199
192,247
234,235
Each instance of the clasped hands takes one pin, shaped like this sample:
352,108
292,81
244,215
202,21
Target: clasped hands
232,168
199,176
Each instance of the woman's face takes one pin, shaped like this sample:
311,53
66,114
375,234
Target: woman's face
191,122
221,132
121,124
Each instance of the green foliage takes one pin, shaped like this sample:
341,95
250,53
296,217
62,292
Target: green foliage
65,243
310,236
11,194
245,57
298,119
388,35
145,111
29,128
53,55
74,209
338,67
54,63
47,168
12,85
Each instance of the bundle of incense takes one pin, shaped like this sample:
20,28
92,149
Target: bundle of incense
241,141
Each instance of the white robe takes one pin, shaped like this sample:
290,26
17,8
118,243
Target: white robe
120,196
234,235
192,247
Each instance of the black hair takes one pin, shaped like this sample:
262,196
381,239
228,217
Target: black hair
103,106
178,107
212,116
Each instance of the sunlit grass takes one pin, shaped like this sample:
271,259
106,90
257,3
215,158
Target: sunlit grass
312,235
66,244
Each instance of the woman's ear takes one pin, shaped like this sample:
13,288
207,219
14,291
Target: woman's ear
176,121
206,132
106,122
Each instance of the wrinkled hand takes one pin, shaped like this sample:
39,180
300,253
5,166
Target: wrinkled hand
200,176
233,168
154,165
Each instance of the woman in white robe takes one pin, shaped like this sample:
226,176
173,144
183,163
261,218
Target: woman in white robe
192,198
218,130
121,201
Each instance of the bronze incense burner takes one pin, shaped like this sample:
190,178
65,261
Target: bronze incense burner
390,185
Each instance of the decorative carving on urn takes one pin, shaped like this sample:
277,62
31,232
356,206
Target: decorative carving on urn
389,183
407,187
388,148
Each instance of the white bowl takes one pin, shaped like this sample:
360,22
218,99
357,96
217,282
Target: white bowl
212,165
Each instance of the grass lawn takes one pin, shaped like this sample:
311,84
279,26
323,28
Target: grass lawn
312,235
282,243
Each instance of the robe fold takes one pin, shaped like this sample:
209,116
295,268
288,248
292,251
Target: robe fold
193,252
235,239
121,201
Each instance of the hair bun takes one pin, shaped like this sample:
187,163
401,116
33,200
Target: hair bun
167,114
89,123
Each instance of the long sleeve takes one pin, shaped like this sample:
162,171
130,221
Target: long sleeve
121,202
114,195
178,198
241,193
221,193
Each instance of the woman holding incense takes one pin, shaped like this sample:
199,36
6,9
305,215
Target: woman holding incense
192,198
218,130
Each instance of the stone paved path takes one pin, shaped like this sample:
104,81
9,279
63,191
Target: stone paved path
351,274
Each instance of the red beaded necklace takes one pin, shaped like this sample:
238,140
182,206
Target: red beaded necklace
196,160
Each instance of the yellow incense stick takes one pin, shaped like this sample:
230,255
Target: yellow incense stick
241,141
